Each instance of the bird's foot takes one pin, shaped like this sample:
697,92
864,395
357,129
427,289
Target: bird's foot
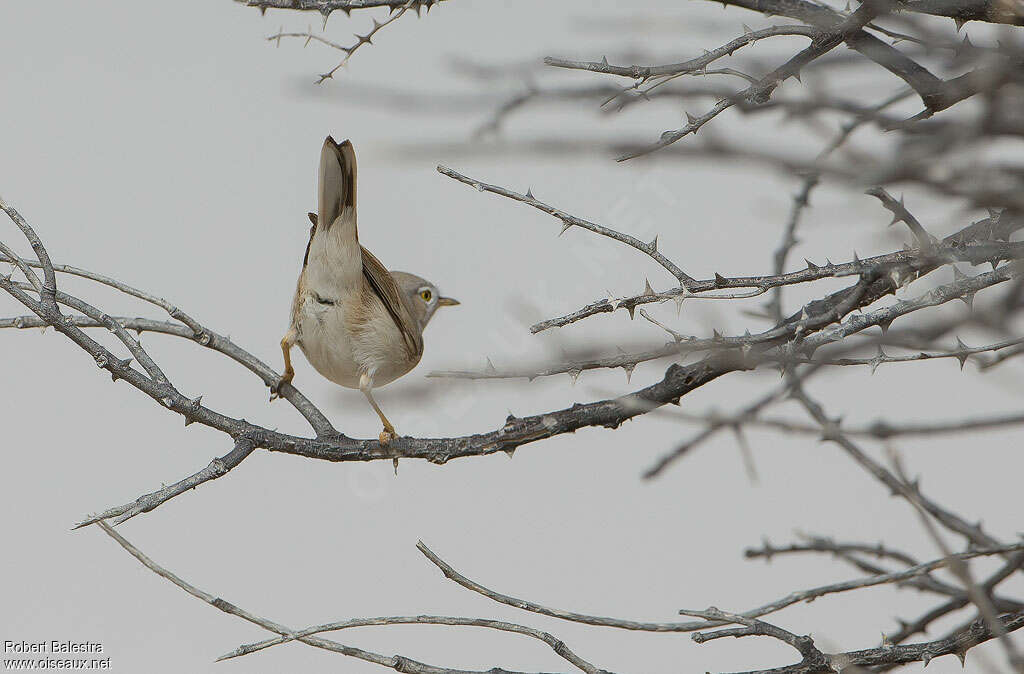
385,437
275,389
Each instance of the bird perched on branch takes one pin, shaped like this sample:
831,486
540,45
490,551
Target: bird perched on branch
360,325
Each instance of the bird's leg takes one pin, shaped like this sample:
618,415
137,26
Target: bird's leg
388,434
287,342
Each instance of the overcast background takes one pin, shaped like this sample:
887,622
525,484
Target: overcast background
171,146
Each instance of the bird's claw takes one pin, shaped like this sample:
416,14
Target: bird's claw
275,389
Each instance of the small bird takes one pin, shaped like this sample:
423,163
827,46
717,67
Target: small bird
360,325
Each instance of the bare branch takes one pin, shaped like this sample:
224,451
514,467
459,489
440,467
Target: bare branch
325,7
217,468
900,213
811,656
790,599
761,91
556,644
210,340
397,662
880,429
962,11
832,432
976,593
525,605
879,579
957,644
644,73
712,428
397,9
853,553
650,249
803,324
952,249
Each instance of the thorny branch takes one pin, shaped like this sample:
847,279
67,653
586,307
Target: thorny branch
813,660
398,10
650,248
397,662
888,654
954,250
326,7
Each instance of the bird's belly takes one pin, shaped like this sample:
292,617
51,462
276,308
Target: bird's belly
327,344
379,348
342,354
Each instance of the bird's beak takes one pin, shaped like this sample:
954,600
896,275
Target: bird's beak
447,302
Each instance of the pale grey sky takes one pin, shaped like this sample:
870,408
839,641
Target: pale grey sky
174,148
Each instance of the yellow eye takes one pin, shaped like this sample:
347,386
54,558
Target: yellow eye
426,295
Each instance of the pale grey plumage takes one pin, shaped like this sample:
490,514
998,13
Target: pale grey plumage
412,288
359,325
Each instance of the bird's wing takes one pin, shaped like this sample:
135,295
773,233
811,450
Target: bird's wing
384,286
333,261
312,231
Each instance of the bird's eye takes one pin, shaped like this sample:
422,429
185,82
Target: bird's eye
426,295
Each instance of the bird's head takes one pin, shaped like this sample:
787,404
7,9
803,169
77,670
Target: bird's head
421,296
